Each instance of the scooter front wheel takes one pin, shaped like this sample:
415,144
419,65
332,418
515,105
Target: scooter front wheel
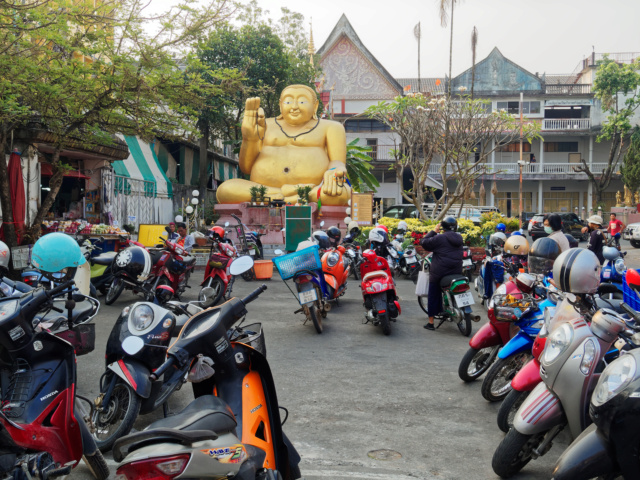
497,383
476,362
218,287
509,408
117,418
514,452
115,290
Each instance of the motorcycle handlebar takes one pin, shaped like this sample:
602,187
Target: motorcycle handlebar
60,288
161,369
255,294
631,312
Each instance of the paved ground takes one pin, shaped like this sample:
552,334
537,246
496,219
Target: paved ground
352,390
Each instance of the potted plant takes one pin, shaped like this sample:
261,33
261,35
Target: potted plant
253,191
262,191
303,194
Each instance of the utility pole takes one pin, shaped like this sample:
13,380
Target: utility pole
521,161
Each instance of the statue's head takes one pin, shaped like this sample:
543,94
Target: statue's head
298,104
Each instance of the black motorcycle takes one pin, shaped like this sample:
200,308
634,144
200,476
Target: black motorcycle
125,388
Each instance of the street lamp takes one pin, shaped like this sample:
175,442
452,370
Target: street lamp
521,162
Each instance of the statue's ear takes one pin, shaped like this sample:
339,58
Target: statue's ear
315,110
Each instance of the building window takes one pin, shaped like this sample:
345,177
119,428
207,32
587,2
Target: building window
379,174
514,107
365,126
560,146
390,176
515,147
372,143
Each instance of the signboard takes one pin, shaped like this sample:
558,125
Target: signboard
362,208
297,226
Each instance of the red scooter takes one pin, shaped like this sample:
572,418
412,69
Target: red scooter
217,275
173,268
336,271
484,345
378,291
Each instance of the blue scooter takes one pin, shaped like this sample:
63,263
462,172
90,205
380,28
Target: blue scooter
613,270
517,351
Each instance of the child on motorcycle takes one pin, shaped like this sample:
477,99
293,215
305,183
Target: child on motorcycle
447,260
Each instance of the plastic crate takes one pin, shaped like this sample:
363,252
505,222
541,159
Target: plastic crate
631,298
305,259
21,256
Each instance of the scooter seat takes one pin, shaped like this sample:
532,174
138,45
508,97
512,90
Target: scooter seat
449,279
189,260
104,258
376,273
204,413
155,255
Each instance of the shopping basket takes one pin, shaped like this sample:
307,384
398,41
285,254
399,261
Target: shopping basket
305,259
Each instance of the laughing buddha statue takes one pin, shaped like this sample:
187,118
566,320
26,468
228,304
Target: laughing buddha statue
295,149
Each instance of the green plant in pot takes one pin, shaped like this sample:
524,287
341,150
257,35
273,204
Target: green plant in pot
255,193
303,193
262,191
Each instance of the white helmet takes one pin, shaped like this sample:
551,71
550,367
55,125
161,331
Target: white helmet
577,270
5,255
402,226
352,225
376,235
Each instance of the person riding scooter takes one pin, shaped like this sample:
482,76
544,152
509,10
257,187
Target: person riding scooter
447,260
493,268
334,235
353,232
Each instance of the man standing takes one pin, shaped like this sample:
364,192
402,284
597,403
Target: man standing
615,229
184,240
596,239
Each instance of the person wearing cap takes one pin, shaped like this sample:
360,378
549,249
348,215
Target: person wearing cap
596,239
173,235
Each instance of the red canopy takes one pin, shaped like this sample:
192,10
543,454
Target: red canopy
16,187
47,171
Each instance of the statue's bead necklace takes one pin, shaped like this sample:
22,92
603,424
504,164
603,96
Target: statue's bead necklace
296,136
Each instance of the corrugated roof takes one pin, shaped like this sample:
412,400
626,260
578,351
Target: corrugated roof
427,85
562,78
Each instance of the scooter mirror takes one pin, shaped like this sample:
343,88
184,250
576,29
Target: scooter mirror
322,223
226,224
278,252
241,265
132,345
207,296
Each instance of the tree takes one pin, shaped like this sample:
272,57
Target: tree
359,166
100,72
617,86
630,169
458,132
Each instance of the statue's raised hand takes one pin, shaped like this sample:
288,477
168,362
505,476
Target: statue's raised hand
253,122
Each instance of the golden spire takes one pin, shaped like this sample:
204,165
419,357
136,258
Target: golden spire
312,48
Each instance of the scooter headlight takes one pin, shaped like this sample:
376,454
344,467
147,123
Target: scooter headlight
142,316
557,343
6,289
620,266
614,379
332,259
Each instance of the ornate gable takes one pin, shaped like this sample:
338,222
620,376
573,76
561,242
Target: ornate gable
498,75
356,74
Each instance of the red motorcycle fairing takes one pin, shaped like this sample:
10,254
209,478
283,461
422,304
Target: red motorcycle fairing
56,430
490,334
527,377
216,272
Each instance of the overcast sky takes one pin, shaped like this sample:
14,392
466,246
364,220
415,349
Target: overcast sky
550,36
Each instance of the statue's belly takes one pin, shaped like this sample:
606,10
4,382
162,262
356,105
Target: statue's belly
290,165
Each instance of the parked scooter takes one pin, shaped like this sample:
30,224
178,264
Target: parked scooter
468,265
568,367
335,266
613,269
39,410
101,273
378,288
235,419
609,447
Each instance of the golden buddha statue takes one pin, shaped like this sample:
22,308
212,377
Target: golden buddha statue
295,149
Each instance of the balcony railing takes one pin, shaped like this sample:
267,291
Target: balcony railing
566,124
568,88
533,168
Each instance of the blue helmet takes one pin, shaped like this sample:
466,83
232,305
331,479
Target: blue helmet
501,227
516,233
55,252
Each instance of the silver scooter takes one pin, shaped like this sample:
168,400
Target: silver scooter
571,364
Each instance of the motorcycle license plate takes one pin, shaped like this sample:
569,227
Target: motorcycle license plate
464,299
466,262
411,260
308,296
606,274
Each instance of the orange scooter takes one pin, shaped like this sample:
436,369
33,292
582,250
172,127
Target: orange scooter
335,266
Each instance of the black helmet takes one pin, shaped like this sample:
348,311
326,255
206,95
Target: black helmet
321,238
542,254
135,262
449,223
573,242
334,234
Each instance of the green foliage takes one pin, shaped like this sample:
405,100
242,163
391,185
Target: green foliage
253,191
263,55
359,166
630,169
262,191
303,192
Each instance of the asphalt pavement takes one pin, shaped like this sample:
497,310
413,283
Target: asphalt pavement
362,406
